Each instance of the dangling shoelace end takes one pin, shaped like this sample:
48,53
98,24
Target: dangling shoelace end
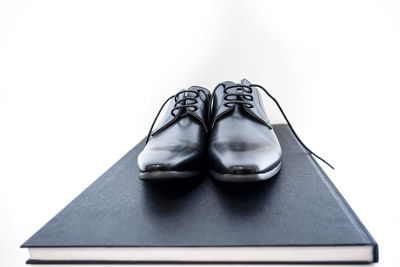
290,125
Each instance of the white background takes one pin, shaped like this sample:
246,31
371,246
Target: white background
81,81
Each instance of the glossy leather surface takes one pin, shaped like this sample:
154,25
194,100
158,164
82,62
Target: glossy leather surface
179,144
242,140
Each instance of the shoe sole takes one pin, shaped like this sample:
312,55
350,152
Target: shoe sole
244,178
168,175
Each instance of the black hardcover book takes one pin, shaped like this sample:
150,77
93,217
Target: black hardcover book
297,216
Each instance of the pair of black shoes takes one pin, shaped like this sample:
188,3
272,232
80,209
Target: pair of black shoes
227,132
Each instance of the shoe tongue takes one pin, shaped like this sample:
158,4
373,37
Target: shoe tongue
245,82
191,94
197,89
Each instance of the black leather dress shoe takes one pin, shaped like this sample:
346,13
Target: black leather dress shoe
243,146
178,147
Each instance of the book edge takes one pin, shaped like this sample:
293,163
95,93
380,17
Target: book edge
360,253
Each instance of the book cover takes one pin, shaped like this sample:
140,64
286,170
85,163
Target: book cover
296,216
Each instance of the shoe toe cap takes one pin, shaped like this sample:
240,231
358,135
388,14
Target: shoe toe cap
248,160
169,159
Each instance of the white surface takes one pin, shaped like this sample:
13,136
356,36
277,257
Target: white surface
218,254
81,81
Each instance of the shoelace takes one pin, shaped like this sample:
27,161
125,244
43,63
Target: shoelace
179,105
245,96
236,97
